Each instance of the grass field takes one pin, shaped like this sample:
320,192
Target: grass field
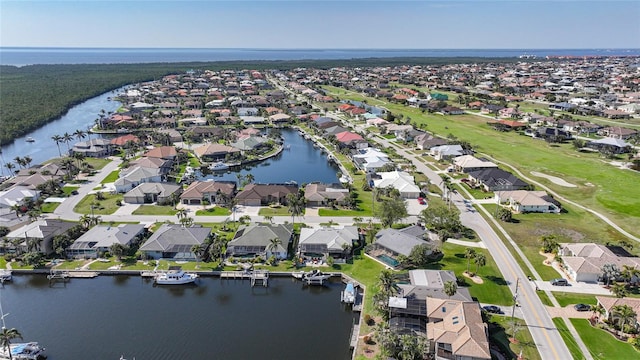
214,211
49,207
155,210
101,207
112,177
566,298
601,344
97,163
274,211
574,349
608,190
67,189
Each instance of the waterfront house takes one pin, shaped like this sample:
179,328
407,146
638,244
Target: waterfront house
172,241
93,148
162,166
369,159
265,194
100,238
322,194
162,152
136,176
213,192
214,152
160,193
258,240
322,243
42,231
391,243
122,141
350,139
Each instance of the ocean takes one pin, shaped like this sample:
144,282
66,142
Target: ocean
21,56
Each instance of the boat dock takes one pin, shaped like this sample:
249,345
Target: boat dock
257,277
58,276
355,334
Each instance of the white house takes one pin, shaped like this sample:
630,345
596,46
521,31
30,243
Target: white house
400,180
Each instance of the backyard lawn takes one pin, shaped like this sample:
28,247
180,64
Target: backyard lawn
601,344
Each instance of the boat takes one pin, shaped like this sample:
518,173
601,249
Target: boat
348,295
30,139
311,277
5,275
24,351
175,276
218,166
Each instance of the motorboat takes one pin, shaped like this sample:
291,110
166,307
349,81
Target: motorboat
5,275
23,351
312,277
30,139
348,295
175,276
218,166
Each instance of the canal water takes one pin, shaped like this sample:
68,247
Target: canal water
110,316
79,117
300,162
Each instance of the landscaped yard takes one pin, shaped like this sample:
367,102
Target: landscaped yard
274,211
601,344
97,163
67,189
214,211
566,298
155,210
100,207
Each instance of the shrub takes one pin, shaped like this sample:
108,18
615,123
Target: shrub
369,320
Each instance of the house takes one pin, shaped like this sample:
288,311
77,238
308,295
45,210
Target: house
160,193
212,152
427,141
562,106
445,152
608,303
99,239
136,176
469,163
614,145
584,261
391,243
43,231
248,111
369,159
552,134
162,152
322,194
250,143
279,118
523,201
172,241
325,242
400,180
214,192
265,194
17,195
161,166
350,139
93,148
258,240
451,110
121,141
618,132
495,179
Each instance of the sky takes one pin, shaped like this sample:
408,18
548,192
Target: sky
304,24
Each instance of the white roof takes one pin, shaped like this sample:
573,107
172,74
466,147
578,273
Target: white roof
398,180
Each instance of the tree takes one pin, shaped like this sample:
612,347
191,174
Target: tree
58,139
186,221
469,253
198,250
67,138
441,219
549,243
391,211
480,259
505,214
268,218
10,167
296,204
181,213
5,339
610,272
80,134
249,178
273,245
419,255
118,250
619,290
623,314
386,287
597,310
450,288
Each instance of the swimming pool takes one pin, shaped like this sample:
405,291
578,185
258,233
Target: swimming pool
388,260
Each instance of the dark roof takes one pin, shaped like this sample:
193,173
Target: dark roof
494,177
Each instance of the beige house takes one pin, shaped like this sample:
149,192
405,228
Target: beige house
584,261
523,201
608,303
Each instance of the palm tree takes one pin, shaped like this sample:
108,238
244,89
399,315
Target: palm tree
186,221
480,260
27,161
33,244
67,139
469,253
118,250
273,245
18,160
198,251
387,282
450,288
623,314
85,220
5,339
10,167
268,218
249,178
296,205
80,134
619,290
181,213
597,310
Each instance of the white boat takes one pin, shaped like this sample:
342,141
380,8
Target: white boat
175,276
5,275
311,277
218,166
23,351
348,295
30,139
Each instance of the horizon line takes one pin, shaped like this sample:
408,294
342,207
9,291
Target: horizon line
307,48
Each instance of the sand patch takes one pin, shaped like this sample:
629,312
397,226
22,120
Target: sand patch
549,258
476,279
553,179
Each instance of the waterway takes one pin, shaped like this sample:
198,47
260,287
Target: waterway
110,316
79,117
300,162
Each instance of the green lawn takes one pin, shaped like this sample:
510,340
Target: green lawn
342,212
112,177
214,211
609,190
274,211
601,344
67,189
574,349
544,298
566,298
104,207
155,210
500,330
49,207
97,163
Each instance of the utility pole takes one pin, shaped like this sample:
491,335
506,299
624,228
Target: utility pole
513,309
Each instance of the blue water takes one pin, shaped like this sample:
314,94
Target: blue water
26,56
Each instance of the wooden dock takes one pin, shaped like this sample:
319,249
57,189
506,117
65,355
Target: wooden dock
235,275
257,277
83,274
355,334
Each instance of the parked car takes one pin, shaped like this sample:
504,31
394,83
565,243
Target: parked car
582,307
422,201
559,282
492,309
